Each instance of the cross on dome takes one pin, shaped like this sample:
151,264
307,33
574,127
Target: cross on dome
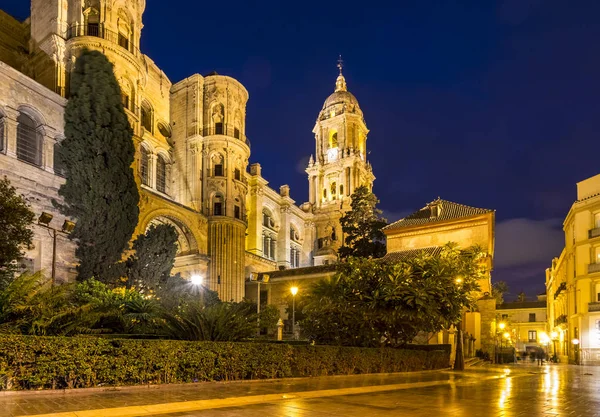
340,83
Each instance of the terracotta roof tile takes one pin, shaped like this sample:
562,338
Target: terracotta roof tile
411,253
437,211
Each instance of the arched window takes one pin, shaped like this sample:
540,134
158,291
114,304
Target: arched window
218,207
334,190
145,166
147,116
161,174
268,220
29,140
341,190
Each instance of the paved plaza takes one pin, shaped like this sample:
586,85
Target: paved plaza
518,390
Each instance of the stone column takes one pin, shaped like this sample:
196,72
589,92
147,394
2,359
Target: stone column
48,153
311,189
11,136
452,341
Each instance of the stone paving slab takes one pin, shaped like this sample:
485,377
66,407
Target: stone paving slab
68,402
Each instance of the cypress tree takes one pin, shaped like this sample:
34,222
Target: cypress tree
97,154
149,268
362,226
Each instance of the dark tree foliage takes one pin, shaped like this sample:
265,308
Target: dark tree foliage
362,226
15,233
150,266
374,303
97,154
499,290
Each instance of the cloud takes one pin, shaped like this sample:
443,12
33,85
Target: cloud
522,241
302,164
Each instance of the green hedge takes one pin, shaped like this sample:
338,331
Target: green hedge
29,362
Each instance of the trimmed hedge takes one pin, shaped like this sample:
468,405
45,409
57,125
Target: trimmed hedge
30,362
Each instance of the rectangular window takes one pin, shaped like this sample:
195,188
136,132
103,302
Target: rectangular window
505,317
292,257
237,174
297,258
597,220
531,317
218,209
218,128
532,335
123,41
218,170
236,212
236,133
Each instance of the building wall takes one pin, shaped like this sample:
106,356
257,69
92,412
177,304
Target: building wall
518,324
573,280
38,183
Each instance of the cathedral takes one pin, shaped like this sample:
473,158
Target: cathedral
192,154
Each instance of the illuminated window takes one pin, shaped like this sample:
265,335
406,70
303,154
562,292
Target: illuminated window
532,335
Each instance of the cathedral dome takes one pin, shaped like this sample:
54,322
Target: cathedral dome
341,100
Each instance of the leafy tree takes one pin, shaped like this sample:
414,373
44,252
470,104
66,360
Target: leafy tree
151,264
499,289
372,303
362,226
97,154
15,221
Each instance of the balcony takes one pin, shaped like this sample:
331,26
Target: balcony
99,31
593,268
594,306
562,319
226,130
594,233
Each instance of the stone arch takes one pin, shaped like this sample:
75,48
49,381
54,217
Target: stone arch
186,241
147,115
34,113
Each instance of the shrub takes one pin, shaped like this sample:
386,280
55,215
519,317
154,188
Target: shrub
30,362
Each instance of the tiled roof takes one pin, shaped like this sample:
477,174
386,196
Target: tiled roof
521,304
411,253
437,211
292,272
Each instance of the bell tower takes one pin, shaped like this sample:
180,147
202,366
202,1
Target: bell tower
338,166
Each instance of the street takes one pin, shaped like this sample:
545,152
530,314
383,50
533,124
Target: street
518,390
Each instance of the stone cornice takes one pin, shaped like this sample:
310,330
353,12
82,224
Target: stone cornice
443,227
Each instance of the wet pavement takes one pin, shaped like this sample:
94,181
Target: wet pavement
520,390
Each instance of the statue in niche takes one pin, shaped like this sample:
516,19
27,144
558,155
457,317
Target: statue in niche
217,115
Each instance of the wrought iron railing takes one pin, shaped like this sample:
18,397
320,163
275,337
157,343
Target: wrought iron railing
594,232
227,130
562,319
594,306
595,267
561,288
100,31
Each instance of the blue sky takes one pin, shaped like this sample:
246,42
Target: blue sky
492,104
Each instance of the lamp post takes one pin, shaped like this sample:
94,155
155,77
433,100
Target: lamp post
576,344
294,291
459,359
501,326
197,281
554,336
67,227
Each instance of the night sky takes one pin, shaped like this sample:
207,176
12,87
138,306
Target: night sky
489,104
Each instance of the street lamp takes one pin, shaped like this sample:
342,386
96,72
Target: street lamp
197,280
554,336
576,343
294,291
501,326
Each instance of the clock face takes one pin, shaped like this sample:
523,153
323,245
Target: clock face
332,154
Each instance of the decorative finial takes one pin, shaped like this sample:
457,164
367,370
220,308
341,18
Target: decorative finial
340,64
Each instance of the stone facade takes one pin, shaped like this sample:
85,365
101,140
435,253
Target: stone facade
573,280
526,324
192,153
